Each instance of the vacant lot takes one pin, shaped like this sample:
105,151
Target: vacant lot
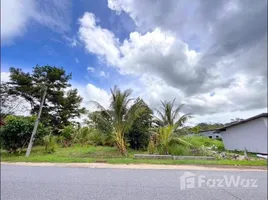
109,155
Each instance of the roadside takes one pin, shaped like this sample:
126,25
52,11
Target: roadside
141,166
110,155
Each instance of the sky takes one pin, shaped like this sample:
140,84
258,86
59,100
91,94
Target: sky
210,55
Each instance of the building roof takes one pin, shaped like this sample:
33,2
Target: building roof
244,121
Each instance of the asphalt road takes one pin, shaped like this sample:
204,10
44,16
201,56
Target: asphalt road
27,183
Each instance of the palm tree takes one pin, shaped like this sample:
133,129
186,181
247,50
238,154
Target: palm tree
121,115
170,116
168,124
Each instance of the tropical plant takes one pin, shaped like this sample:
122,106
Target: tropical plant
195,129
138,135
167,138
82,135
151,147
67,135
167,115
121,115
50,143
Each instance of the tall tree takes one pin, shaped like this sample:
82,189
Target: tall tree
121,115
60,106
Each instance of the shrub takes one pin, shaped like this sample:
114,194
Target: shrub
151,147
50,143
67,135
17,132
96,138
199,141
82,136
180,150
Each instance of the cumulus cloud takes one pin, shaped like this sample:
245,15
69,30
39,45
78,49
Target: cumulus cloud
103,74
93,93
17,15
101,42
5,77
91,69
190,50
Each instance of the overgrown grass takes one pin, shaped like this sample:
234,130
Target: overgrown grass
199,141
79,154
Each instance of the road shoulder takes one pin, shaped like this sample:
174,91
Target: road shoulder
142,166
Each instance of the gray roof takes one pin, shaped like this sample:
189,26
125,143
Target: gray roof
244,121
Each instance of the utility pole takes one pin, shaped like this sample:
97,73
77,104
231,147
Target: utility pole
36,124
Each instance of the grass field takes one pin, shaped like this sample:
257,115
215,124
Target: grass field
78,154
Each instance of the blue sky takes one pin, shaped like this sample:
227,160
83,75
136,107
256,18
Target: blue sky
42,45
200,54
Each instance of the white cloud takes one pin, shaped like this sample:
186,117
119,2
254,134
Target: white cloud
103,74
5,77
17,15
91,92
76,60
183,50
91,69
101,42
14,18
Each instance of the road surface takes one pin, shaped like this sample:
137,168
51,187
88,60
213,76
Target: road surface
53,182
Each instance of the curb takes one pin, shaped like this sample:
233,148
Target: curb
139,166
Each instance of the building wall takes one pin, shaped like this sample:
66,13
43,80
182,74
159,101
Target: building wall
210,134
251,135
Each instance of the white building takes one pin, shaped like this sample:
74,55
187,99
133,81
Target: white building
210,134
249,134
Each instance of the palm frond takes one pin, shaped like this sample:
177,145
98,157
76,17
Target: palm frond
182,120
176,112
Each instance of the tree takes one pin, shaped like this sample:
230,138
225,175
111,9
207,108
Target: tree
195,129
166,138
138,135
211,126
121,115
170,116
60,106
168,124
17,132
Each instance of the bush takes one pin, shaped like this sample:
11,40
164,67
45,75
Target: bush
151,147
50,143
199,141
17,132
67,135
96,138
180,150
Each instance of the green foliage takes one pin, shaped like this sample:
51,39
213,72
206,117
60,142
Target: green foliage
50,143
96,138
205,126
168,115
121,116
180,150
17,132
59,106
101,121
82,136
196,129
138,135
199,141
67,135
151,147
